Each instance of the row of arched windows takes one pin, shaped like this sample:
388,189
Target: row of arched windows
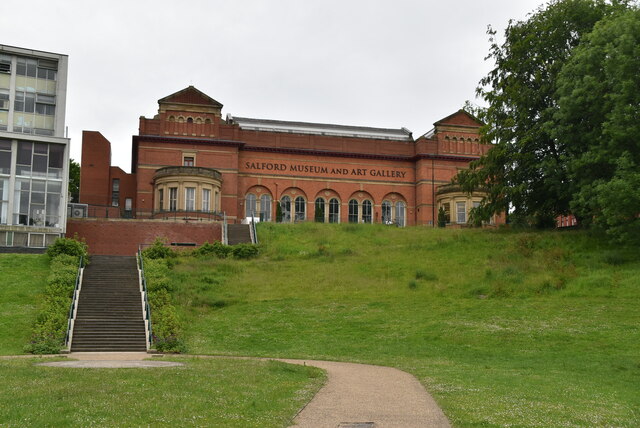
189,119
462,139
326,210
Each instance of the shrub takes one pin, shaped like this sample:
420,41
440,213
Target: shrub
50,327
165,323
156,273
442,217
217,249
614,258
68,246
166,333
158,250
245,251
426,276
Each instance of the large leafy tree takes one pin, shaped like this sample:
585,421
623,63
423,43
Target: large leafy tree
74,180
598,122
525,172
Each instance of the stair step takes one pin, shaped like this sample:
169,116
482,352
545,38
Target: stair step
109,315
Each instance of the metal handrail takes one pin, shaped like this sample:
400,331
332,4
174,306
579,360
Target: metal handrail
143,281
74,305
254,232
225,239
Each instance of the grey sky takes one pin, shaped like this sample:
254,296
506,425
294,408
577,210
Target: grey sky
360,62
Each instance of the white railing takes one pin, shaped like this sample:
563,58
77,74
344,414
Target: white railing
73,309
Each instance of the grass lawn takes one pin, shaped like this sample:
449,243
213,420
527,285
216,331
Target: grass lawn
22,281
503,328
204,392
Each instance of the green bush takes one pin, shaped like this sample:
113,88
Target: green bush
245,251
614,258
217,249
164,319
442,217
158,250
156,272
425,276
51,323
69,247
166,333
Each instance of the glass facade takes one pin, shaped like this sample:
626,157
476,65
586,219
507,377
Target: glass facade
34,103
33,153
37,186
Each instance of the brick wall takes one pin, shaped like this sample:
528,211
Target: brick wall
122,237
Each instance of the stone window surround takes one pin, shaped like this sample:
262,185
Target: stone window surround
183,178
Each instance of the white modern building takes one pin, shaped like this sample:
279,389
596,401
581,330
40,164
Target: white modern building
34,153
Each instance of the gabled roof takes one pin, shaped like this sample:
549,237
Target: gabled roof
252,124
460,118
190,95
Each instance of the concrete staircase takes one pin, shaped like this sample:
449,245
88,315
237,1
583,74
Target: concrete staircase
109,316
238,234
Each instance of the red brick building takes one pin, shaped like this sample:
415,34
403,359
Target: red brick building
190,162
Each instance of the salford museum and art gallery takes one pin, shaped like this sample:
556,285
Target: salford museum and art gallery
189,162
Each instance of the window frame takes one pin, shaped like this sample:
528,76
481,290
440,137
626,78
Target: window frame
460,213
189,199
354,211
173,199
367,205
300,209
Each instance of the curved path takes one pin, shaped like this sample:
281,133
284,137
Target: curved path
360,395
354,396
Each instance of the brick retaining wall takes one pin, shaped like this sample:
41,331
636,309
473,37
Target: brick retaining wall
122,237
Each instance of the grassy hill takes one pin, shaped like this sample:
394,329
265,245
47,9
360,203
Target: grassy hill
22,281
503,328
243,393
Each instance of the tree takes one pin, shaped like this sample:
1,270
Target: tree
74,180
525,172
598,121
278,212
319,213
442,217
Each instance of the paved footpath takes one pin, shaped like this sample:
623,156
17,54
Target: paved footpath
354,396
364,396
111,360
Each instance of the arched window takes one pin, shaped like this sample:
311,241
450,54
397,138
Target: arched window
367,212
400,213
334,211
250,208
353,211
285,207
172,118
180,119
265,207
198,120
318,215
190,120
207,121
301,211
386,213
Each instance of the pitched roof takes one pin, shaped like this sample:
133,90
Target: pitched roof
461,117
190,95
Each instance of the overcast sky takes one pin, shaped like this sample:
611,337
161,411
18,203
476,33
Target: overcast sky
392,63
